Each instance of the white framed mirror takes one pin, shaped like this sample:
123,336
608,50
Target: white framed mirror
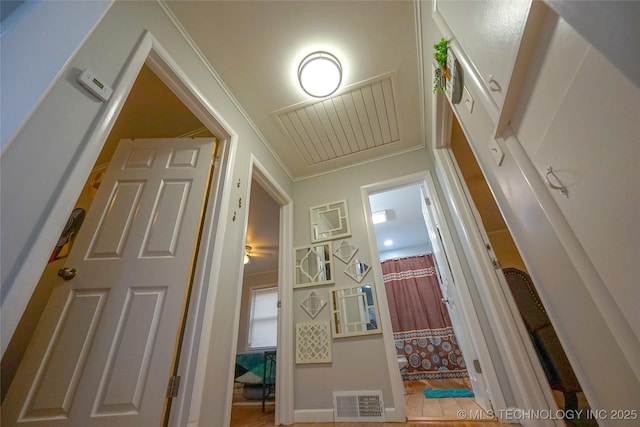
313,265
357,269
329,221
354,311
345,251
313,304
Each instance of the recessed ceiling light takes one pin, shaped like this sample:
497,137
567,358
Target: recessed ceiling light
388,242
378,217
320,74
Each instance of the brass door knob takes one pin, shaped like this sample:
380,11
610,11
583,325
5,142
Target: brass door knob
67,273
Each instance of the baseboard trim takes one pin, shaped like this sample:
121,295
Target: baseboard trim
313,415
393,416
326,415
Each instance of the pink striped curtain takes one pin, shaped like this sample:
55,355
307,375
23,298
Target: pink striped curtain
422,328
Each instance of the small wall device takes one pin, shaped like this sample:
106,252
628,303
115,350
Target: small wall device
95,85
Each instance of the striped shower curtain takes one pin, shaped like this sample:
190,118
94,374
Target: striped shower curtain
422,329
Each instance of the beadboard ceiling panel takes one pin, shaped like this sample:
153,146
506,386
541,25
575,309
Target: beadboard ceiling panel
359,119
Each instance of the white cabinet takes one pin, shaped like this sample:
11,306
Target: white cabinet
592,146
496,37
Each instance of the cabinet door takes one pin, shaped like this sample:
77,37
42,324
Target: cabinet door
489,32
592,144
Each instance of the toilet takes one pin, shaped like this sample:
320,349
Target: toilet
402,362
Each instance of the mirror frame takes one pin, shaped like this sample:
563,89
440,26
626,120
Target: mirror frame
335,314
353,265
338,251
340,230
328,265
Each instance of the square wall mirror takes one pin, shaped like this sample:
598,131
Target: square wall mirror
345,251
329,221
354,311
357,270
313,265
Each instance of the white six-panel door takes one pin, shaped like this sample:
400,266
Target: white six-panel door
104,347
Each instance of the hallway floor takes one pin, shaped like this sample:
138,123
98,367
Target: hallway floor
420,409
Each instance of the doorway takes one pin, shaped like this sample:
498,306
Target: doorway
151,110
255,368
564,385
428,345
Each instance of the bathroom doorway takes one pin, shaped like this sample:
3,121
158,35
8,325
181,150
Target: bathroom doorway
426,337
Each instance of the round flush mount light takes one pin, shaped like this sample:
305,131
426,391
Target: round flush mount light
320,74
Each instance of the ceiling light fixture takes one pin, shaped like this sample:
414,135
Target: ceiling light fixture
378,217
320,74
388,242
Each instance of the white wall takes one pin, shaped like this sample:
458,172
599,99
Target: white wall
359,363
35,168
50,31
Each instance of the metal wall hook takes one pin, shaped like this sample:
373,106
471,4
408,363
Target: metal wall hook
494,86
559,186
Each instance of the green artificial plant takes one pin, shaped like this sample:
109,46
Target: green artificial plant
440,53
442,73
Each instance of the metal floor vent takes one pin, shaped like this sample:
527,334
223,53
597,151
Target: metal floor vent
358,406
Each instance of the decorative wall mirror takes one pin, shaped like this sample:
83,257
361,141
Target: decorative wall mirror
357,270
313,265
354,311
329,221
312,304
345,251
313,343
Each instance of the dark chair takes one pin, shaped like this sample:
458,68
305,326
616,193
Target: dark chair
550,352
269,376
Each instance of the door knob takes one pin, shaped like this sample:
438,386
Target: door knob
67,273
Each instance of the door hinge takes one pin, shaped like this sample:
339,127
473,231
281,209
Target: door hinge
496,264
476,366
279,304
174,386
427,201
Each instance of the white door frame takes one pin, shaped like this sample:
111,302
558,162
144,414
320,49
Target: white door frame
148,50
469,342
527,379
468,322
284,409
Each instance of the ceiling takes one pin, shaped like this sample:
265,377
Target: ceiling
256,46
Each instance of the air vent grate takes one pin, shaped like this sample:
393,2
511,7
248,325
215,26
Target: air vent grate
358,406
